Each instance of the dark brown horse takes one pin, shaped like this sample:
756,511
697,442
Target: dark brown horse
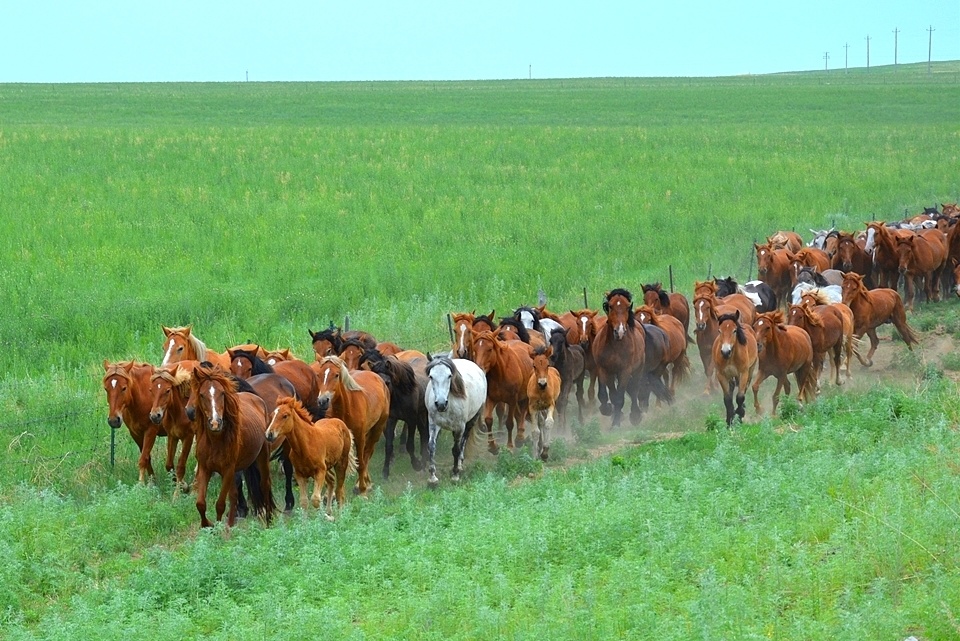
676,355
734,354
329,342
851,257
872,308
673,304
783,350
127,385
230,427
618,353
569,360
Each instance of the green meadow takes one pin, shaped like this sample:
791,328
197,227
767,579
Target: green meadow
257,211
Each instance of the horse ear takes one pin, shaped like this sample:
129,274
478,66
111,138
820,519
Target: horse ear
606,306
312,335
736,315
429,356
664,298
106,363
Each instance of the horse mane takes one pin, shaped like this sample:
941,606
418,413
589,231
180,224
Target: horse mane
297,408
457,387
257,364
818,278
179,379
735,317
118,369
620,292
533,312
486,318
653,287
353,342
818,296
728,285
540,350
813,316
330,334
348,381
403,379
523,332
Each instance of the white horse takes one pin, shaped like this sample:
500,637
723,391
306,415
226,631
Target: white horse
455,395
531,319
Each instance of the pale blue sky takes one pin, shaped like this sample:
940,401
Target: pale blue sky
197,40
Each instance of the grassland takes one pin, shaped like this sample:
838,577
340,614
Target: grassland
257,211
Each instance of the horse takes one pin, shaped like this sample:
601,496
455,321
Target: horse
825,240
507,366
762,295
871,308
512,329
534,318
673,304
463,323
652,376
618,352
230,427
830,328
813,276
783,350
407,381
812,257
568,359
170,390
543,390
851,257
181,344
127,385
734,355
455,396
881,244
361,399
676,354
922,255
773,268
321,450
789,240
707,309
329,342
581,329
350,352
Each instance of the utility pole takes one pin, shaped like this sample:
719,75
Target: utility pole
826,59
895,32
930,47
530,72
846,56
868,52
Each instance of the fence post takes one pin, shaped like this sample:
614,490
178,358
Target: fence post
450,327
585,298
113,447
670,268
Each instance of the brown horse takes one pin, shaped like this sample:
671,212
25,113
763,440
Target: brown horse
543,390
463,329
851,257
329,342
676,355
230,427
881,244
734,355
872,308
773,268
361,399
830,328
569,361
581,329
818,259
181,344
507,366
127,385
789,240
321,450
619,350
510,329
673,304
707,309
922,255
783,350
170,390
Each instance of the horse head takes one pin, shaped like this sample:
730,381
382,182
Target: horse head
619,308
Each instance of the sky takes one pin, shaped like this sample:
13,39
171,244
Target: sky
54,41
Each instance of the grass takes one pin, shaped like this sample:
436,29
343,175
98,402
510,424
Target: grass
257,211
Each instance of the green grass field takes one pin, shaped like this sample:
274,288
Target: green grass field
257,211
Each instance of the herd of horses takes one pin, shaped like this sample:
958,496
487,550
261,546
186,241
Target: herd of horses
240,409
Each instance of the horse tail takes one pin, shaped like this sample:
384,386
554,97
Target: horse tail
681,369
352,462
899,318
259,485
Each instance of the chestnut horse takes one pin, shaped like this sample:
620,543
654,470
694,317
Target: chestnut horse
321,450
507,365
773,268
851,257
707,309
872,308
830,328
818,259
673,304
676,355
618,354
181,344
230,427
734,354
922,255
543,390
361,399
465,324
127,385
783,350
881,244
790,240
170,390
329,342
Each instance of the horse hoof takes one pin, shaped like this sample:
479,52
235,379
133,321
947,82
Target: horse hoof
433,483
606,409
455,478
544,455
635,419
493,448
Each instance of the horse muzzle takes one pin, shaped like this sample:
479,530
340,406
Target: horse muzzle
114,422
323,402
440,405
156,417
700,326
270,436
726,350
542,383
215,426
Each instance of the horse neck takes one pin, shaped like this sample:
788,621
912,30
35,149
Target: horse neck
137,410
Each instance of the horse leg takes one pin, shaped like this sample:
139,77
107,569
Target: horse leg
146,449
171,452
182,462
432,479
520,421
287,466
488,408
776,392
727,388
742,384
302,482
837,357
756,392
457,451
242,509
411,430
388,436
617,393
202,480
874,344
227,490
580,401
546,433
603,388
319,485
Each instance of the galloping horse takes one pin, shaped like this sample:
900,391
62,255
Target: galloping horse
230,429
762,295
581,329
507,366
464,328
783,350
773,268
534,318
851,257
673,304
618,353
830,328
511,329
127,385
543,389
170,390
881,244
922,255
676,355
321,450
872,308
455,395
407,381
361,399
181,344
808,257
734,355
707,309
569,361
